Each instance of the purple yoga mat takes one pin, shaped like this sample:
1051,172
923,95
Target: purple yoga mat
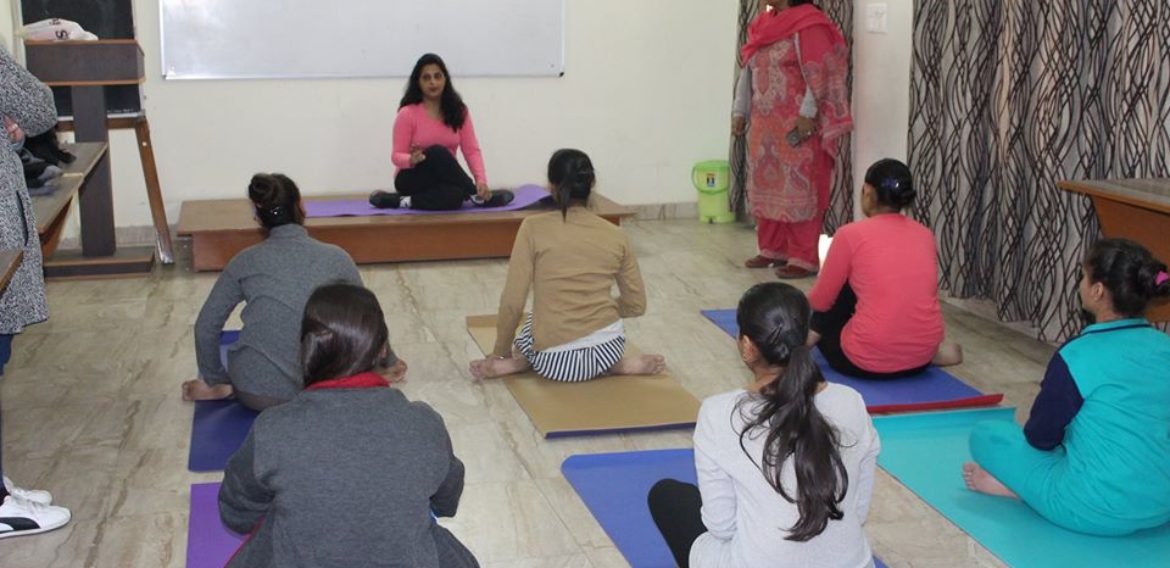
209,543
526,196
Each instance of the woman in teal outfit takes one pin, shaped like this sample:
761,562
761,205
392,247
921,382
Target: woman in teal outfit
1094,456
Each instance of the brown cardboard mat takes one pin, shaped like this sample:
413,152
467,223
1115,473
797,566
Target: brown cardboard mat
599,406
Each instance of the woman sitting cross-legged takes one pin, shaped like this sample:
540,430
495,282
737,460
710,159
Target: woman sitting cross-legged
570,259
1094,456
876,299
432,124
785,466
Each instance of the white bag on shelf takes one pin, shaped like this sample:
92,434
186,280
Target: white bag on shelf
55,29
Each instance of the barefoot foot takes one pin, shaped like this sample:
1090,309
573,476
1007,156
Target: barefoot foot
639,365
199,390
395,373
978,480
948,354
493,367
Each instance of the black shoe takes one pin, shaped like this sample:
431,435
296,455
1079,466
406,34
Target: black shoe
499,198
385,200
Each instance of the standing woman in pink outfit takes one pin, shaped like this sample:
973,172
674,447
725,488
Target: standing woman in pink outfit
793,93
433,124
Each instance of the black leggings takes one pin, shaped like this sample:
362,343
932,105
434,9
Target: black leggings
830,324
677,511
437,183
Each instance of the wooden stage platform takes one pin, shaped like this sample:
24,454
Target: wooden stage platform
220,228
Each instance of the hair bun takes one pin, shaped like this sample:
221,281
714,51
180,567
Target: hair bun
275,198
263,189
900,193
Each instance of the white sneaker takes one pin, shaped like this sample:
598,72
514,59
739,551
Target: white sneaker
34,495
19,517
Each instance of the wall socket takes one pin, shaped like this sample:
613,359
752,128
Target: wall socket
875,17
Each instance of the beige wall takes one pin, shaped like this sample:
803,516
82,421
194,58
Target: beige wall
881,86
646,93
7,17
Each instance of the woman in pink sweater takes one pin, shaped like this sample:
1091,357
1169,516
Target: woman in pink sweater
432,124
876,305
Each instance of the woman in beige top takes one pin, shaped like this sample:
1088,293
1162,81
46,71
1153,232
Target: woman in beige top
570,259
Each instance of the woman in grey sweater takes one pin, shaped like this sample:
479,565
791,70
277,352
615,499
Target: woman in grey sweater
274,280
350,472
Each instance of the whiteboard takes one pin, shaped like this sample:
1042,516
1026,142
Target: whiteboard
251,39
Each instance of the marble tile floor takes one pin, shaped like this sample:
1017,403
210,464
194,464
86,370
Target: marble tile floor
92,411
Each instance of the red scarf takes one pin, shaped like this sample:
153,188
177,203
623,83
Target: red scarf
772,26
365,380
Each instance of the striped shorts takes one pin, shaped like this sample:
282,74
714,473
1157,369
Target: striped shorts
573,365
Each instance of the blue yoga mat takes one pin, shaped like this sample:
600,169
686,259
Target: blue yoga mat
615,486
934,389
219,426
218,430
926,453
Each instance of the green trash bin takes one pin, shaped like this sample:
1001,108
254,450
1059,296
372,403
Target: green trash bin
712,179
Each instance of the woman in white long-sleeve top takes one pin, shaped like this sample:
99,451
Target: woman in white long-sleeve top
785,466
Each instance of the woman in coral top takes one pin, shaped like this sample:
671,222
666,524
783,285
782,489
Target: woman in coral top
876,299
432,124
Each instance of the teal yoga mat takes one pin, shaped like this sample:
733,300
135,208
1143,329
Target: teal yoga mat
926,453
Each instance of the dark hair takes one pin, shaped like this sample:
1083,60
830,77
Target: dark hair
450,103
571,174
276,199
343,333
775,317
1131,274
795,3
893,183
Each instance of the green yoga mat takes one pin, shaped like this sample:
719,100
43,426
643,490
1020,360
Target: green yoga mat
926,453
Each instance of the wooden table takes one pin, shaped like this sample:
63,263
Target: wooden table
1135,209
221,228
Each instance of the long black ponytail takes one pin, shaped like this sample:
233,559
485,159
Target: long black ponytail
571,174
775,317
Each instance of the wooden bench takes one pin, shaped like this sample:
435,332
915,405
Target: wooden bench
51,211
221,228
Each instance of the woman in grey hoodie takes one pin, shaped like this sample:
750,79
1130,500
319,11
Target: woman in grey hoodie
273,279
350,472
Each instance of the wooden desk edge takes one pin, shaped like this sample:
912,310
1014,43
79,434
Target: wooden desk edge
96,83
9,263
1085,188
43,42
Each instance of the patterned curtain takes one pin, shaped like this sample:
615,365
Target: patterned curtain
1007,98
841,197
